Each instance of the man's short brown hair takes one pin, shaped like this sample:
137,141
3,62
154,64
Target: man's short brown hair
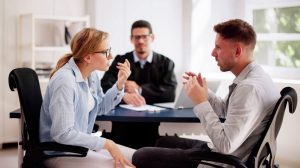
237,30
141,24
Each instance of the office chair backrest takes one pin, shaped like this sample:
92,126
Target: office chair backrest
290,96
265,150
25,80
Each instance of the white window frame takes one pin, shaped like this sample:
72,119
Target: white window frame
275,71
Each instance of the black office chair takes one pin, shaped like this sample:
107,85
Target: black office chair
25,80
263,154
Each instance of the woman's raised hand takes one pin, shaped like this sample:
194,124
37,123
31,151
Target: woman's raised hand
123,74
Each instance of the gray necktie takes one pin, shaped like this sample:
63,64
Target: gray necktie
231,88
142,63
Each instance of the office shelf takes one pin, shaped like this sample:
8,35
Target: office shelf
42,38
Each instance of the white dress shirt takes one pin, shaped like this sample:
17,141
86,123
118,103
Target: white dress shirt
142,62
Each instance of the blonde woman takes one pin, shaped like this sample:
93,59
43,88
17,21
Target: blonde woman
74,98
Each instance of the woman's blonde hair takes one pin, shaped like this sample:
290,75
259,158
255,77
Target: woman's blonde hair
87,41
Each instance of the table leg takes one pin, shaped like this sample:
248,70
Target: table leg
20,147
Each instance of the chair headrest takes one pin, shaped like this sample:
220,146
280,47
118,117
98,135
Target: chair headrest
290,95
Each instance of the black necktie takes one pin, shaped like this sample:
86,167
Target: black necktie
231,88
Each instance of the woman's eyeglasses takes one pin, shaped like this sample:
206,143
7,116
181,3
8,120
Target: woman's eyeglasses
105,52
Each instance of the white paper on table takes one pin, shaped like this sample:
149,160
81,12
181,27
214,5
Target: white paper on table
142,108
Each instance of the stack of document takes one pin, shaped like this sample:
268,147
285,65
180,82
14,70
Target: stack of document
142,108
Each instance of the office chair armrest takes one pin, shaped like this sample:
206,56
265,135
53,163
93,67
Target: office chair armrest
95,128
69,150
208,157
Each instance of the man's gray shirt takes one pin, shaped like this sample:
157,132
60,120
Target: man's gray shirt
249,108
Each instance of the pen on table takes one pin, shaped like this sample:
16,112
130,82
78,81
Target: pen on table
157,110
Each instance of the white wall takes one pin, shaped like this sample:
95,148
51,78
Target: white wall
9,11
205,15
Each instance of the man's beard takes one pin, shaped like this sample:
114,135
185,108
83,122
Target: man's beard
141,52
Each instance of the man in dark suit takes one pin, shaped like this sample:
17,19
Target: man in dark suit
152,78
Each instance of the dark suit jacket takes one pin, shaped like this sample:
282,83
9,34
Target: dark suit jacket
157,79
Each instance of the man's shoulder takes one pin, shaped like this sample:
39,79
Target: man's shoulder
259,81
128,55
161,58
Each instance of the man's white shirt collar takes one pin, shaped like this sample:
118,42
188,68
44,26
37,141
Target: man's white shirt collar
149,58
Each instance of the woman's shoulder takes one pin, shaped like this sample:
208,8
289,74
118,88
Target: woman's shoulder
64,76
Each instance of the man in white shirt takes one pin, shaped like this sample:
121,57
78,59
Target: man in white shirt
245,110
